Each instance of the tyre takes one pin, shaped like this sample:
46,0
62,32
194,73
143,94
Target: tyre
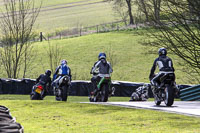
169,96
157,102
4,109
36,96
135,97
6,118
105,93
11,128
64,93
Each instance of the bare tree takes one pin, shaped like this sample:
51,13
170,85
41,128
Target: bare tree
156,6
126,4
143,6
54,54
180,32
17,23
121,12
112,58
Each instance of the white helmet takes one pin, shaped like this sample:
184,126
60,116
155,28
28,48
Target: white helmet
63,62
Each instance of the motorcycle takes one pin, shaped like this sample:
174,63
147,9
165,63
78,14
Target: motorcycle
141,94
61,92
37,92
166,90
103,90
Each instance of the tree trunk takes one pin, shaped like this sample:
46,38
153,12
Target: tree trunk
144,9
130,11
156,4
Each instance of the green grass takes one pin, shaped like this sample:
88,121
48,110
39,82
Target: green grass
78,16
131,63
49,116
67,14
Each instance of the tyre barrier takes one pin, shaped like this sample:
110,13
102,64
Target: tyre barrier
4,109
190,93
8,123
78,87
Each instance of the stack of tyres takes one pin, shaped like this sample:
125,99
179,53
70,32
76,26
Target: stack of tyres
8,123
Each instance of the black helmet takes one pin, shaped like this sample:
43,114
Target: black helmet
162,51
48,72
102,56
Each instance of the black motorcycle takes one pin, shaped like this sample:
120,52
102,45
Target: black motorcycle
37,92
103,90
165,91
61,92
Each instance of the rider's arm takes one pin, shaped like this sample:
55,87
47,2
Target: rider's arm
172,66
70,74
110,68
38,79
56,72
95,66
153,69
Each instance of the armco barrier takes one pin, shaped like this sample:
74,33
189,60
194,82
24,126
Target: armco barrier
190,93
78,87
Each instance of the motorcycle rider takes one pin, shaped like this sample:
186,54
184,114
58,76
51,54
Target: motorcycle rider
164,64
45,80
61,71
101,68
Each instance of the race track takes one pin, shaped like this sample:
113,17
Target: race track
190,108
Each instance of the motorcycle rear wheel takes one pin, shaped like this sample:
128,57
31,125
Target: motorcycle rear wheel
105,93
169,96
64,93
35,96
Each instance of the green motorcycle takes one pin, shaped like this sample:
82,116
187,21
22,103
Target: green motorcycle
103,90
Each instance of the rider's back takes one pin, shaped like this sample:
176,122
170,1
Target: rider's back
165,64
44,79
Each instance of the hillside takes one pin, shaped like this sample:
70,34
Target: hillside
129,58
64,14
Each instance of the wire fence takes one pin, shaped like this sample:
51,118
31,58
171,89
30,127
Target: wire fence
81,31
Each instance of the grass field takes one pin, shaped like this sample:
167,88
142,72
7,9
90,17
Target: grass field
130,58
66,14
49,116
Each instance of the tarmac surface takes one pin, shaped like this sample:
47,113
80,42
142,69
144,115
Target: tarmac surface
190,108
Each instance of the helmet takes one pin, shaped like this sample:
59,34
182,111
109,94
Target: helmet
63,62
162,51
102,56
48,72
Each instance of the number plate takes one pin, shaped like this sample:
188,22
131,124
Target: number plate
38,90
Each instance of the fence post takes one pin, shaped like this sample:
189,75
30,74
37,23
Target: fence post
60,35
41,36
97,29
80,31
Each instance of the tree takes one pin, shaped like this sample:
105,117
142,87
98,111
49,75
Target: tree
125,4
121,12
143,6
54,54
16,23
157,6
180,32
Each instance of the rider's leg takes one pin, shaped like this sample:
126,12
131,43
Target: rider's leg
56,81
95,81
